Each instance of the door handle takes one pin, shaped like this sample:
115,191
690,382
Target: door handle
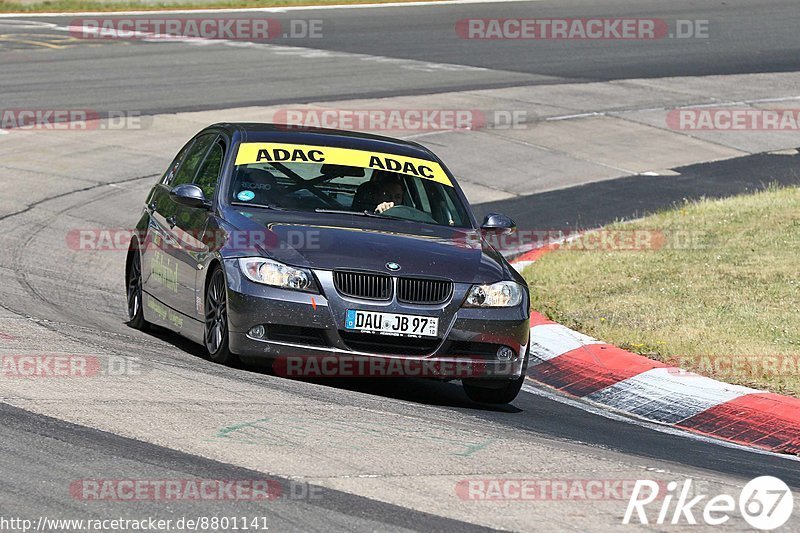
172,221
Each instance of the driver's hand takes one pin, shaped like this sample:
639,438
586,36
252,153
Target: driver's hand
384,206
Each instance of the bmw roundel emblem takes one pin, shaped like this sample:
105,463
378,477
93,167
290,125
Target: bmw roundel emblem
391,265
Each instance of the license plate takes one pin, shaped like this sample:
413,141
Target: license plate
391,323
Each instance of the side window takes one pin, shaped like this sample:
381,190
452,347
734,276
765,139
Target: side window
194,157
173,168
209,171
420,196
456,215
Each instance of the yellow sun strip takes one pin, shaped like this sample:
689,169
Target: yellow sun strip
250,153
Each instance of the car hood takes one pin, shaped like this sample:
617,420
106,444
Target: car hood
369,244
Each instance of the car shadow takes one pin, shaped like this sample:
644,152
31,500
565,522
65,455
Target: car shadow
170,337
416,390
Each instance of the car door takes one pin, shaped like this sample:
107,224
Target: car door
153,239
190,231
167,278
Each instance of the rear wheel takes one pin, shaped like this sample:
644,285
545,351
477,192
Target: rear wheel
133,285
216,320
497,391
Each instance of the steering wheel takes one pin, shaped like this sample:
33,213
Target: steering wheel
409,213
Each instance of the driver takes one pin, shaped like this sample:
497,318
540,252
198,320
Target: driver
389,193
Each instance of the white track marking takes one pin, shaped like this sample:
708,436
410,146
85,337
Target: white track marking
296,51
282,9
519,266
523,249
712,105
549,341
606,412
790,151
667,395
25,24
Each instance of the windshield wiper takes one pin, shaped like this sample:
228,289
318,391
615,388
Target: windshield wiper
262,206
346,212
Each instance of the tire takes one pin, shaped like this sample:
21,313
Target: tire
215,329
133,291
497,391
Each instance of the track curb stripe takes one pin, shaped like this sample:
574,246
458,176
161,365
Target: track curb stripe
662,395
765,420
603,374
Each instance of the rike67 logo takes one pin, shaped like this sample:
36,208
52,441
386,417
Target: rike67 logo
766,503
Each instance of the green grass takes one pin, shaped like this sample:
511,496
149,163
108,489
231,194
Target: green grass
60,6
732,296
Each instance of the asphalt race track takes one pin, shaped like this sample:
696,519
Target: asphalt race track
386,455
750,36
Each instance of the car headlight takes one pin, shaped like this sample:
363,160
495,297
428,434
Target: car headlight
500,294
277,274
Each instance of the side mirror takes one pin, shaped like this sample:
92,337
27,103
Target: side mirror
497,223
190,195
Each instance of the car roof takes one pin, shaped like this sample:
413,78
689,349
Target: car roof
266,132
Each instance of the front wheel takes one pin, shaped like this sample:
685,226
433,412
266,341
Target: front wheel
216,320
133,285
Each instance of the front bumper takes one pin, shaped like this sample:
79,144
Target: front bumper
306,330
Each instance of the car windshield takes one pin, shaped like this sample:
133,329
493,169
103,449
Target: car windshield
321,187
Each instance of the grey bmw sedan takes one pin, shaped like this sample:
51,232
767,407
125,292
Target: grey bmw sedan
329,252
